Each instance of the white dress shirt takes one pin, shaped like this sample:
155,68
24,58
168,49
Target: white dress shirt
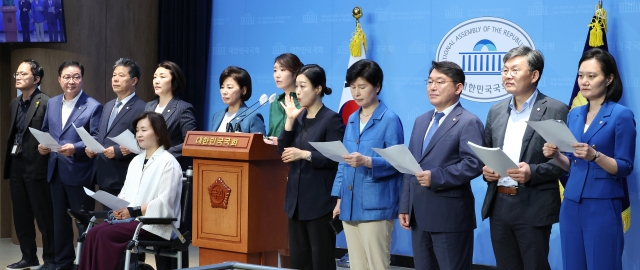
67,108
516,127
445,111
158,183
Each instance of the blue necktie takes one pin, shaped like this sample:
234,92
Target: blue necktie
114,113
432,130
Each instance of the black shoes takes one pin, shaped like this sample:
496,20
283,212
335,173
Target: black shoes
24,265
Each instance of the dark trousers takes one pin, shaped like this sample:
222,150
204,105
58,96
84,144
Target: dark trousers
65,197
441,250
517,245
312,243
31,198
52,29
59,33
26,37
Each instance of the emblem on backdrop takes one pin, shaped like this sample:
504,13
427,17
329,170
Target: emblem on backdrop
478,46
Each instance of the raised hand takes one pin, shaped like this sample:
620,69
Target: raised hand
290,108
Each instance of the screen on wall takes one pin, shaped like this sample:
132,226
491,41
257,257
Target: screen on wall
25,21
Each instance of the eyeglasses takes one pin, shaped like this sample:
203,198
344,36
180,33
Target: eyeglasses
20,75
75,78
437,84
513,72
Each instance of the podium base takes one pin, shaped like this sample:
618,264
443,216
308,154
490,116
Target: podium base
269,258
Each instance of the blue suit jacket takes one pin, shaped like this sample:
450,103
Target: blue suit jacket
48,16
613,133
448,205
253,123
74,170
111,173
374,192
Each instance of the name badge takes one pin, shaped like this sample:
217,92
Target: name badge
15,150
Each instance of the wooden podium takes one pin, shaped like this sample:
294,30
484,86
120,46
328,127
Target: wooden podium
239,185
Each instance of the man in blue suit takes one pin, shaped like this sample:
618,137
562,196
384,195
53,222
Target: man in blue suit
110,169
69,168
52,9
437,204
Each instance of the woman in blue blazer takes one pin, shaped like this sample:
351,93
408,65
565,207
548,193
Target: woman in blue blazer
590,217
308,201
235,89
367,186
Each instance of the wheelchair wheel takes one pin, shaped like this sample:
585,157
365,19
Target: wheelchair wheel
144,266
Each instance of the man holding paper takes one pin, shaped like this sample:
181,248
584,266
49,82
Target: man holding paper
69,168
437,204
524,204
110,169
30,194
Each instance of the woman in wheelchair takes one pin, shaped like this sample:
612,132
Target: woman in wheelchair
153,189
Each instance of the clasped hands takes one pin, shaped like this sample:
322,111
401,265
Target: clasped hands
122,214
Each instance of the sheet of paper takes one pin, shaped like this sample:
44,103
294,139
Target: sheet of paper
494,158
332,150
556,133
400,158
127,140
89,141
45,139
107,199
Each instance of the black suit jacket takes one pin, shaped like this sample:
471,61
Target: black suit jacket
540,196
310,183
37,165
180,118
111,173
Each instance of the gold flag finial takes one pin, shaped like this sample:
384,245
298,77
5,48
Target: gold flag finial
357,13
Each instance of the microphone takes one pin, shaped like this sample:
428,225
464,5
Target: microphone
272,98
263,97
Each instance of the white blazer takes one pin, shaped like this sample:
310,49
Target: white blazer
159,183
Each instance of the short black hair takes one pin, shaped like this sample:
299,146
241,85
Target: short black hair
134,69
36,69
178,81
159,126
71,63
608,66
449,69
369,70
242,78
316,76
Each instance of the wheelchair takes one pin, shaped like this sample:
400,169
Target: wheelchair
173,248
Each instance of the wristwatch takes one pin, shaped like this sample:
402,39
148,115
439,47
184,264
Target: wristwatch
596,156
309,157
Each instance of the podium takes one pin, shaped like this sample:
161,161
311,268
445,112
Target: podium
239,185
10,23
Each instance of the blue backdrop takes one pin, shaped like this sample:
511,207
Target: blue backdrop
403,37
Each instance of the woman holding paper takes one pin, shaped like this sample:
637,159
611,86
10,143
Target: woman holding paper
591,226
153,188
368,197
308,201
235,89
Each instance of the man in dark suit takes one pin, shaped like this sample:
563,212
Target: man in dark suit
437,204
52,9
69,169
110,168
30,194
524,204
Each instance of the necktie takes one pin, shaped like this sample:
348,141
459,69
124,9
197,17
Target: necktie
114,113
432,130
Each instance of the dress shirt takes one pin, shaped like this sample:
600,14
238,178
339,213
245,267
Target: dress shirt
516,127
124,101
20,125
67,108
445,111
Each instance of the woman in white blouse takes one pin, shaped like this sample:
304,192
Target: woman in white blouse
153,188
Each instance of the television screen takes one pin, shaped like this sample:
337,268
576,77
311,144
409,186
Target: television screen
32,21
